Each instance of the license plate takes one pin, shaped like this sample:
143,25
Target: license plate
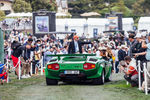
71,72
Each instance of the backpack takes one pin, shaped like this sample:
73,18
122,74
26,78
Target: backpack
15,45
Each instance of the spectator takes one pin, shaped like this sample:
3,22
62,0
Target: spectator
121,53
37,55
116,59
131,74
132,45
76,46
16,54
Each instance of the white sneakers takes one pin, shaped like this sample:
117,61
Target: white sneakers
28,76
25,76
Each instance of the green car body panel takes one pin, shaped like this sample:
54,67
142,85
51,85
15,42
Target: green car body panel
76,62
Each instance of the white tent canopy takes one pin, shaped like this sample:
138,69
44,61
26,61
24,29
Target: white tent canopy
61,14
128,24
127,20
76,21
144,23
90,14
20,14
97,21
30,14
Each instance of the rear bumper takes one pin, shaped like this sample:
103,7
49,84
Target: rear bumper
83,75
65,77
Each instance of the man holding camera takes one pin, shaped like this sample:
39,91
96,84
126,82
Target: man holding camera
131,74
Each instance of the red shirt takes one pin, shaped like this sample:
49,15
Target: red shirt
132,70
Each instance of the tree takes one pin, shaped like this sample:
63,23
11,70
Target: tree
2,15
81,6
43,4
21,6
120,7
129,3
138,8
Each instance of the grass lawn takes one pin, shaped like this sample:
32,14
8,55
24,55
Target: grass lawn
117,89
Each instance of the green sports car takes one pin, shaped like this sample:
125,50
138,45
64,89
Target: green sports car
77,67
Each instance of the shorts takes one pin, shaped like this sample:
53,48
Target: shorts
15,61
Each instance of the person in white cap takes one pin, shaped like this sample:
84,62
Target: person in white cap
121,53
147,55
103,52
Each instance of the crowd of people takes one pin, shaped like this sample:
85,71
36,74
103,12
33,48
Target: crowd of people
123,51
19,23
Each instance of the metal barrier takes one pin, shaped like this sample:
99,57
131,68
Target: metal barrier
7,73
40,64
19,76
19,67
146,76
139,74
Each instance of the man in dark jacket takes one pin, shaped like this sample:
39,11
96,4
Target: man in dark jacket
121,53
133,43
75,45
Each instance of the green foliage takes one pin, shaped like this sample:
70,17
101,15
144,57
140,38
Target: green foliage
33,5
43,4
129,3
120,7
127,7
21,6
138,8
82,6
2,15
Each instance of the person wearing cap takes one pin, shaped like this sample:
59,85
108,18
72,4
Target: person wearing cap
75,45
138,49
131,74
103,52
116,58
121,53
147,55
132,45
89,51
26,59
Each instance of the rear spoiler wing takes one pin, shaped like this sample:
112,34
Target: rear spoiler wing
71,55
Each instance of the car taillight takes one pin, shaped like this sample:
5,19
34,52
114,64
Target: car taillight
88,66
53,66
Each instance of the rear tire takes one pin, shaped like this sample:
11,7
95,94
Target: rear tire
100,80
51,81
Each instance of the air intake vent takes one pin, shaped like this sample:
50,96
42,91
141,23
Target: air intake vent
92,59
